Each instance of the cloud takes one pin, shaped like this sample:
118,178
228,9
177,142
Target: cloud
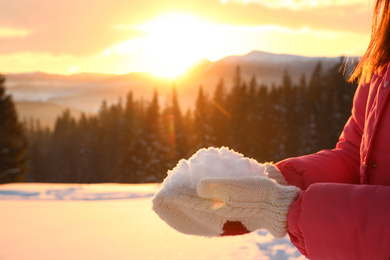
13,33
33,61
353,18
64,27
299,4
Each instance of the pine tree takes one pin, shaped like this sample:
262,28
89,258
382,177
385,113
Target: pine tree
202,120
39,153
86,149
263,125
181,139
301,118
252,120
111,138
219,117
131,145
237,105
338,103
13,142
153,150
288,126
63,149
316,96
113,142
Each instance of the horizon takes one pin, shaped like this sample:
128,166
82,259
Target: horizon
190,66
165,39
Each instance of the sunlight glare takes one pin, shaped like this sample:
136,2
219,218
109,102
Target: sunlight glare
174,42
171,43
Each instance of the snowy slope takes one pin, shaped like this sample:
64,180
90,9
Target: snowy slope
110,221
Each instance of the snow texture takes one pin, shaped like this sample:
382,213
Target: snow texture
77,192
212,162
111,221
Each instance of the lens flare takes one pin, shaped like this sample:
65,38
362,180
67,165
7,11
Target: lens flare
171,136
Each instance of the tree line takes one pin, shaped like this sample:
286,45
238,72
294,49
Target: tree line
134,141
13,140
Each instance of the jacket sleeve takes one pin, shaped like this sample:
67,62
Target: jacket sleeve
342,221
335,217
340,165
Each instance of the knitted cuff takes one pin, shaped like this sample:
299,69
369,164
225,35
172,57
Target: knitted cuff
275,213
274,173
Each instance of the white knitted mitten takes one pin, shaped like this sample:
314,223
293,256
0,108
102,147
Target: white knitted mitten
228,206
273,172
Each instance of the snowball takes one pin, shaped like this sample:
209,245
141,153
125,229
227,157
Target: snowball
212,162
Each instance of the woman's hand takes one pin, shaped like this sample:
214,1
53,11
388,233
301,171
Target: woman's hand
228,206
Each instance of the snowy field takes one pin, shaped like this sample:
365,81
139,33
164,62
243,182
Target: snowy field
110,221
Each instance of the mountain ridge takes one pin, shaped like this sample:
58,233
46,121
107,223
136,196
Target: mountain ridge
254,56
86,91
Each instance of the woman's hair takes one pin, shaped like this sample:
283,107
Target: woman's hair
377,54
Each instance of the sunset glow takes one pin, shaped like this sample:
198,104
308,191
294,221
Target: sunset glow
165,38
171,43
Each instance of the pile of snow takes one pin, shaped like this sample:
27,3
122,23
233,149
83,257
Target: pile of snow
212,162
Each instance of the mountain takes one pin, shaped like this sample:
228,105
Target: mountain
268,68
266,57
86,91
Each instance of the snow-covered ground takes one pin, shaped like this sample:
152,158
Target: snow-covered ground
110,221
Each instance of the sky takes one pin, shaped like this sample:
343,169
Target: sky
165,37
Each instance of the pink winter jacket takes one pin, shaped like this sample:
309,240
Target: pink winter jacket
344,209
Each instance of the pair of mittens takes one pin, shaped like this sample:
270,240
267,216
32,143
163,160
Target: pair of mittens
226,206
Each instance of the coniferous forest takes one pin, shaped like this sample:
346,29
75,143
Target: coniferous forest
13,142
137,141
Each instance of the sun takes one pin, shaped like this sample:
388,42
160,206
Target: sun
173,42
169,44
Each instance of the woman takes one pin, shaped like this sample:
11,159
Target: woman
342,207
